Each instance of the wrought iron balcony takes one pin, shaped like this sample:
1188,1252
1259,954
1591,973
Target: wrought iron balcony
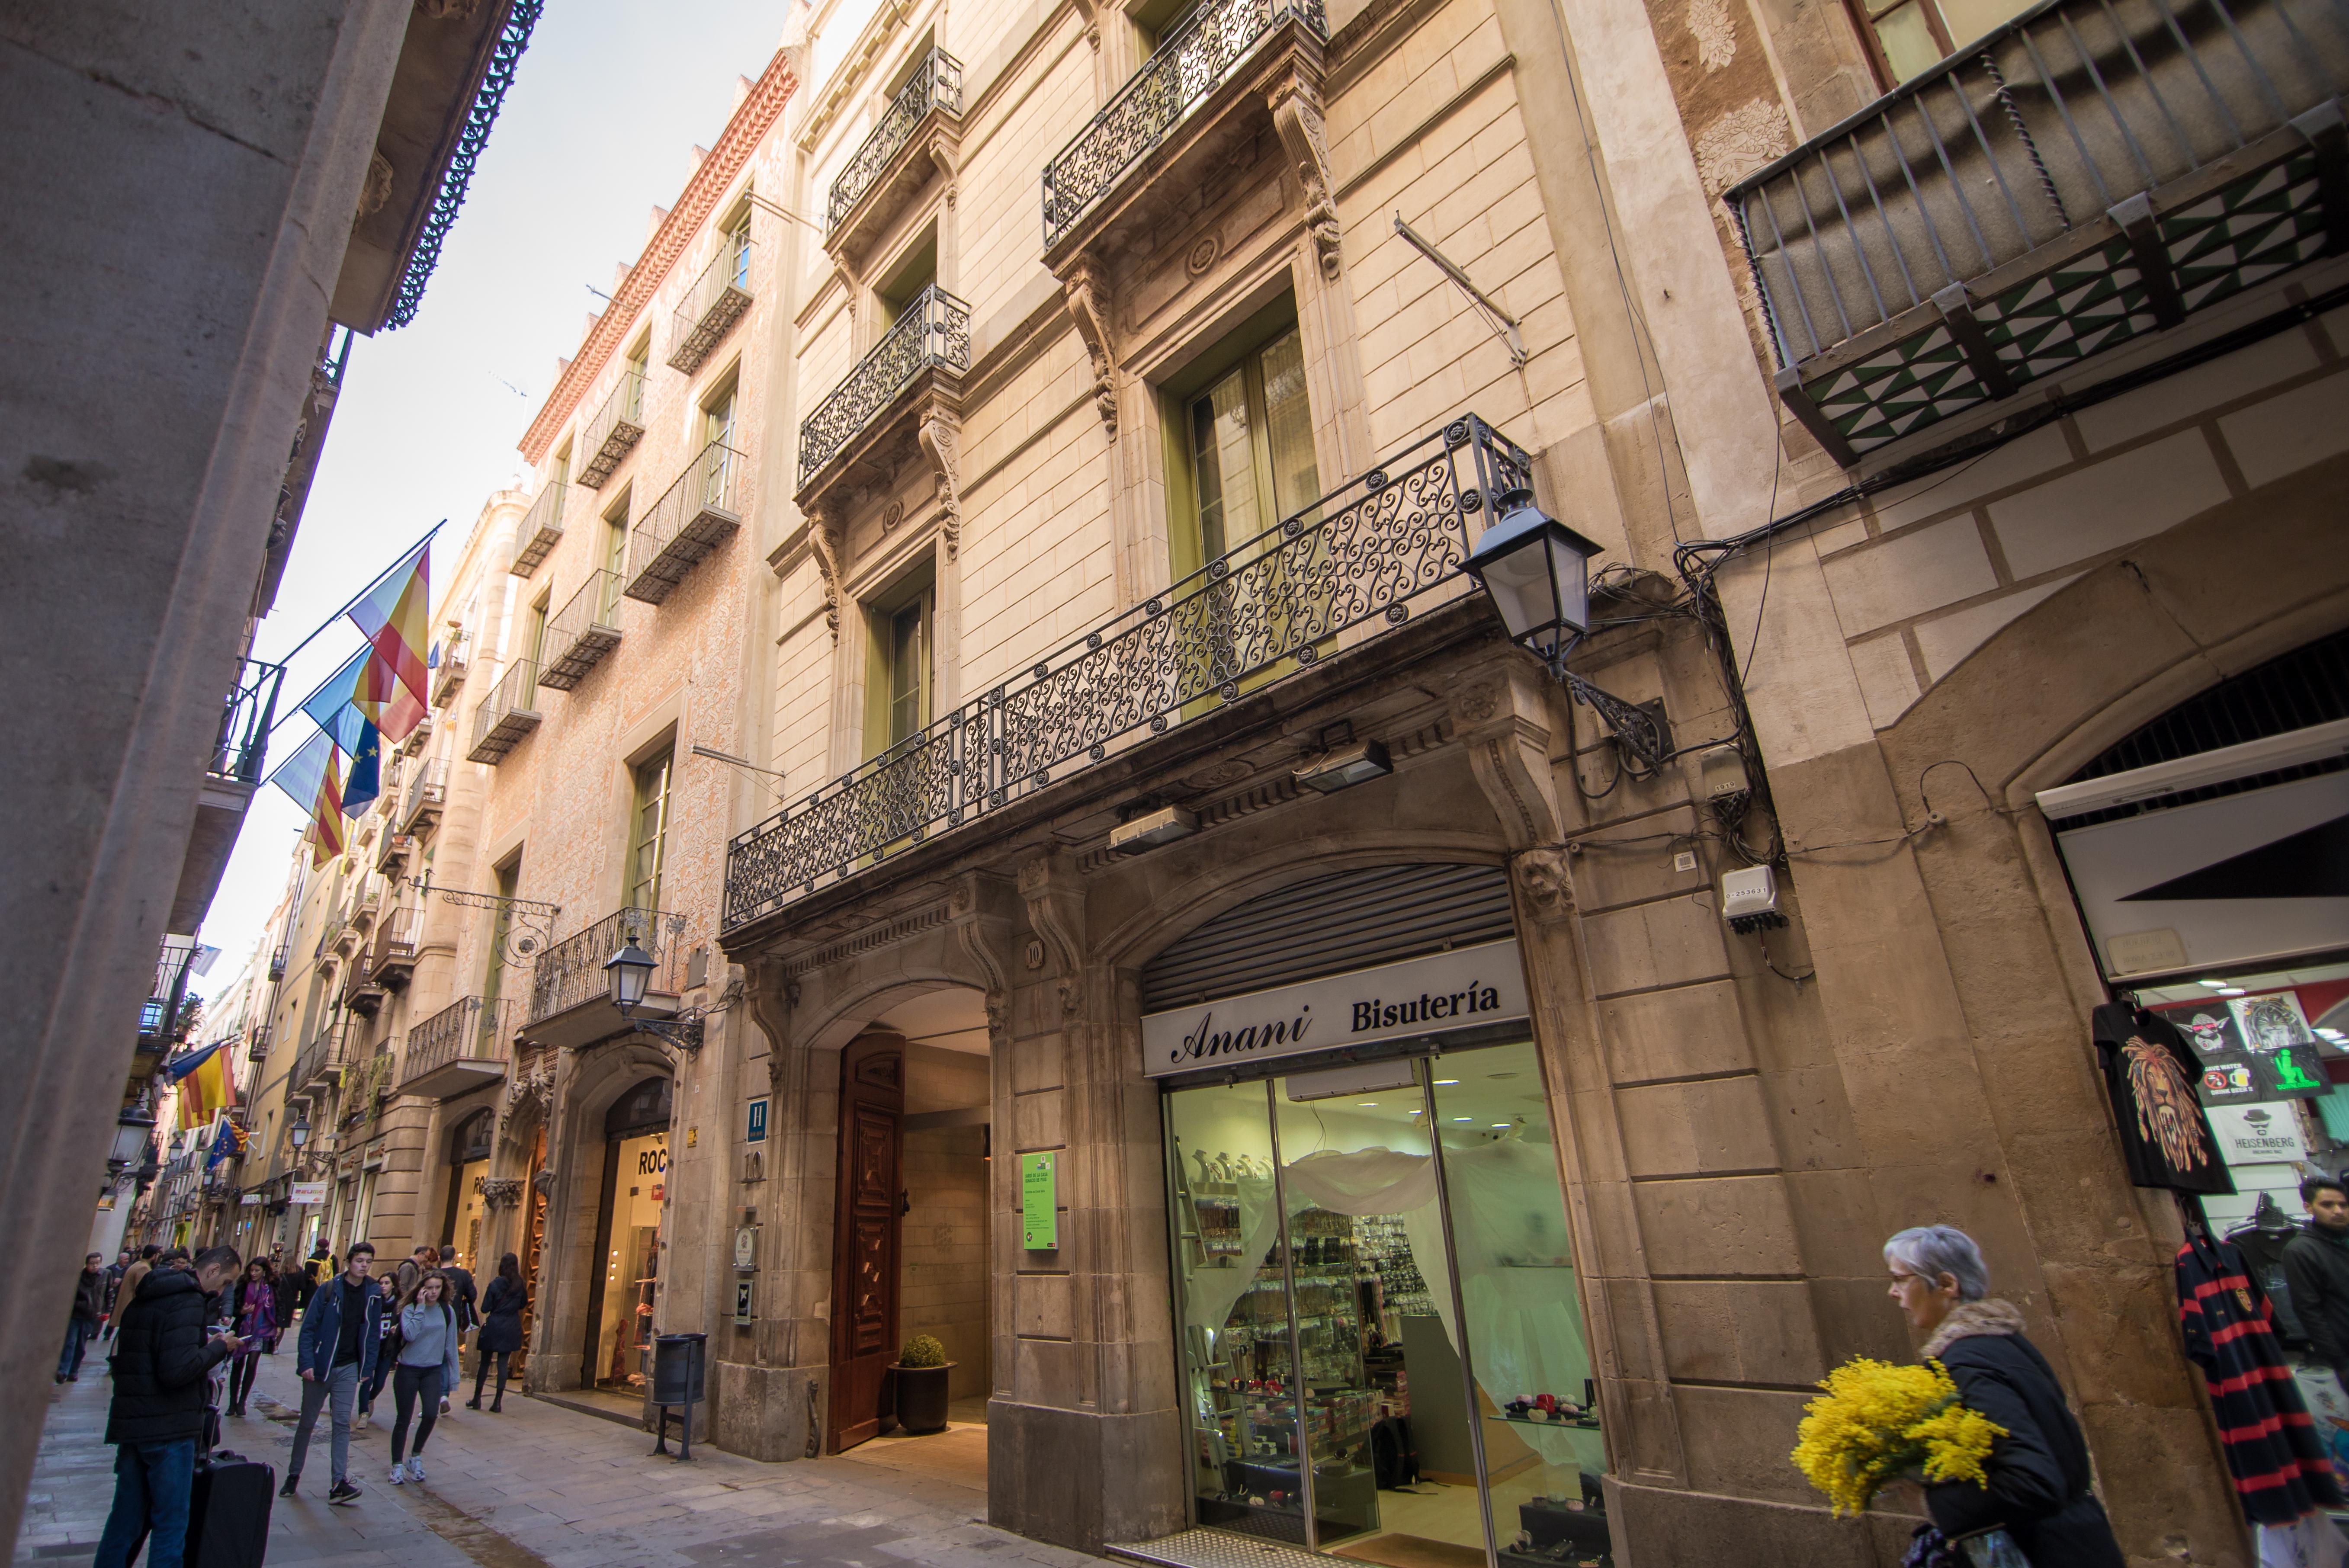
935,88
392,956
1343,570
256,1044
320,1064
392,856
457,1049
579,634
428,793
1187,67
570,994
693,517
541,530
713,304
2089,173
507,714
617,426
362,989
241,749
278,959
933,335
448,676
158,1015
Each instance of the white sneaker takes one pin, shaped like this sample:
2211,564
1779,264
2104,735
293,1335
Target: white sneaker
416,1468
359,1422
398,1474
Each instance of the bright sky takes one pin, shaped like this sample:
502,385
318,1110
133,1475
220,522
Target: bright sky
593,134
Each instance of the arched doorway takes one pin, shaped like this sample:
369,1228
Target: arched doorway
470,1143
624,1290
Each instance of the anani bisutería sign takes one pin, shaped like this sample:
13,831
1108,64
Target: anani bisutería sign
1443,991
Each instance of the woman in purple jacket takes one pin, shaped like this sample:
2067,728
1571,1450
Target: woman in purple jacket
254,1307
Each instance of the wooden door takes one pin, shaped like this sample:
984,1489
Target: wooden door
533,1228
864,1237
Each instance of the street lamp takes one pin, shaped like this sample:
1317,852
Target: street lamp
298,1132
1536,572
131,1131
626,973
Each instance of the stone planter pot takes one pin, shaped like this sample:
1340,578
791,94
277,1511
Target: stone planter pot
922,1397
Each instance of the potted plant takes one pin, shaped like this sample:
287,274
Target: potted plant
921,1369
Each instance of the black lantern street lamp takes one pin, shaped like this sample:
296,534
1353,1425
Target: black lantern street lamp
132,1127
297,1132
1536,572
627,973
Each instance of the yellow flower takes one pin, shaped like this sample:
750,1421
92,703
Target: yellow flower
1877,1420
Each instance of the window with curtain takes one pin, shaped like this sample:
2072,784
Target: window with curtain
1251,437
505,879
615,562
738,247
906,660
535,633
648,831
1908,38
637,357
717,430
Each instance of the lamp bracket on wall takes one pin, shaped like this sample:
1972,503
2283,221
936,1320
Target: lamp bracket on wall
1503,325
684,1031
532,924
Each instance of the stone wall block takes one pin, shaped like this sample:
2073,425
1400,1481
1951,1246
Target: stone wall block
1684,1032
1738,1440
1717,1332
1044,1306
1673,1527
1856,1317
1811,1119
1039,1120
1709,1126
1608,874
2169,1498
2106,1318
1717,1226
1674,942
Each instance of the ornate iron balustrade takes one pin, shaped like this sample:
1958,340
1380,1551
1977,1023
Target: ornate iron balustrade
246,716
617,426
934,333
541,530
256,1044
157,1014
507,714
579,634
1189,64
465,1030
319,1061
2089,171
278,957
450,673
428,792
691,518
1357,558
936,84
570,971
713,304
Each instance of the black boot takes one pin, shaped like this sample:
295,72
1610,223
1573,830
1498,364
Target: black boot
475,1402
498,1405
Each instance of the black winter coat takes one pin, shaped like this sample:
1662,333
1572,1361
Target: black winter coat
502,1306
2038,1473
2316,1268
91,1295
161,1354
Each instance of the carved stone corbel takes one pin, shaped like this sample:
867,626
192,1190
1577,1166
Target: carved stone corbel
984,933
1546,881
501,1192
1296,105
828,537
1089,306
941,437
772,999
1056,908
1501,715
1089,12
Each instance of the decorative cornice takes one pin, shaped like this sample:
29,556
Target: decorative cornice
873,938
751,122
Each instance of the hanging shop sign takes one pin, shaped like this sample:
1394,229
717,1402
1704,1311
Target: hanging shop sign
308,1192
2241,881
1040,1202
2257,1134
1443,991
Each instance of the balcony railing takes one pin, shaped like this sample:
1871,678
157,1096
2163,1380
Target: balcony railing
541,530
933,334
507,714
256,1044
617,426
2086,173
1357,559
579,634
240,751
467,1031
393,855
1189,64
570,971
450,673
157,1015
392,958
428,793
320,1062
713,304
278,958
936,84
693,517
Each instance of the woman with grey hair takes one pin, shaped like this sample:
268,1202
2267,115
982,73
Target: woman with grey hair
2036,1481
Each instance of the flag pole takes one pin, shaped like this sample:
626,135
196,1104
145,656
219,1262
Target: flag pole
373,583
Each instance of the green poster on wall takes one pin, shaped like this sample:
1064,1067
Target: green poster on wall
1040,1199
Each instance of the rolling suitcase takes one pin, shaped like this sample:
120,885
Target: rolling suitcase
228,1511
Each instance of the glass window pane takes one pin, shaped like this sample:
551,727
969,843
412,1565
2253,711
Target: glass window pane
1225,467
649,834
908,658
1970,19
1232,1328
1907,41
1296,481
1529,1358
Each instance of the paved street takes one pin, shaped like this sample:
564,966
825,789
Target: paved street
538,1486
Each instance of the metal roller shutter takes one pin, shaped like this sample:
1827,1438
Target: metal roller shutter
1347,921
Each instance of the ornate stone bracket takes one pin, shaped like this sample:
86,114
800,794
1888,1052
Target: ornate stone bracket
501,1192
1546,881
1089,12
544,1181
534,1088
1087,289
984,937
828,539
1056,908
941,437
1296,105
1501,715
772,999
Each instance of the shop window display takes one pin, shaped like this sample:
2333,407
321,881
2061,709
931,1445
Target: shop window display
632,1263
1379,1315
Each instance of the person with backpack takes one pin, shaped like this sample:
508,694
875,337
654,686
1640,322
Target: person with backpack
163,1363
500,1335
342,1332
89,1305
254,1308
426,1367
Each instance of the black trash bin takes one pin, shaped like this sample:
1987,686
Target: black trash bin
680,1369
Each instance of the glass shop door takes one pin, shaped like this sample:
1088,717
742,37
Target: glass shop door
1380,1336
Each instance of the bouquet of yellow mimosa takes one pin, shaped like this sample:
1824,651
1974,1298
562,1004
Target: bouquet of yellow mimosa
1877,1422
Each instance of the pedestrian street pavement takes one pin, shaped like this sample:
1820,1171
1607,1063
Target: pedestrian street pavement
538,1486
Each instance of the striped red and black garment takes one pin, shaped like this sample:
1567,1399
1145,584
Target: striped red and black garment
2273,1447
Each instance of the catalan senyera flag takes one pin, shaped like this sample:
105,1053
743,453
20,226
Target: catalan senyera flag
203,1084
314,778
362,690
396,616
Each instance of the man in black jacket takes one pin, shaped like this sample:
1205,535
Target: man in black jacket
2316,1267
89,1305
161,1361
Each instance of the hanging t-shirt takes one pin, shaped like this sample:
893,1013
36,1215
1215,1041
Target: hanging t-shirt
2150,1073
2278,1462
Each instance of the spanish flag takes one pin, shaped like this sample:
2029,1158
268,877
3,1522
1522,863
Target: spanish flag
314,778
396,617
203,1084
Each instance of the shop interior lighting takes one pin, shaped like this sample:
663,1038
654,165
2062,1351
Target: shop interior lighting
2214,985
1345,767
1441,1082
2232,991
1463,1118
